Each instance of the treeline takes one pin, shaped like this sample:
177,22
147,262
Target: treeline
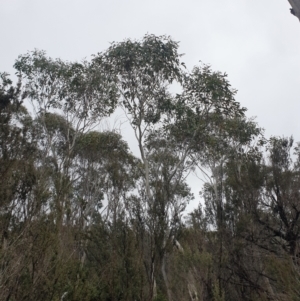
82,218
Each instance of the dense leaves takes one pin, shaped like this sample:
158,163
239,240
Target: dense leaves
82,218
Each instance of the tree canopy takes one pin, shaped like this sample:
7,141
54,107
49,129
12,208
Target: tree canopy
83,218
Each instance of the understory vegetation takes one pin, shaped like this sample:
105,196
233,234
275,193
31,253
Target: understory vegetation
83,218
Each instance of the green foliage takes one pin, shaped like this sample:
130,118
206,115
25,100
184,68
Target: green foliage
79,89
82,218
160,297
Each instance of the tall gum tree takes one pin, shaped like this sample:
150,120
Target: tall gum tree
68,99
210,126
195,122
77,92
143,71
17,181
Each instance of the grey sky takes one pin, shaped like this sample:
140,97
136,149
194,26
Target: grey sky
257,42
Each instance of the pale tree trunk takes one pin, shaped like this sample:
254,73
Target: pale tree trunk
192,287
191,282
164,273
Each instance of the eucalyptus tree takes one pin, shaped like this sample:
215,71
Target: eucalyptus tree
68,99
17,141
208,118
171,194
261,217
196,122
107,175
143,71
18,151
211,127
267,190
279,209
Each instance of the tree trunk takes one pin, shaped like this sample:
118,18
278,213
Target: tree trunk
164,273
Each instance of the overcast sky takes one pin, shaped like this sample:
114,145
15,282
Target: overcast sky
256,42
